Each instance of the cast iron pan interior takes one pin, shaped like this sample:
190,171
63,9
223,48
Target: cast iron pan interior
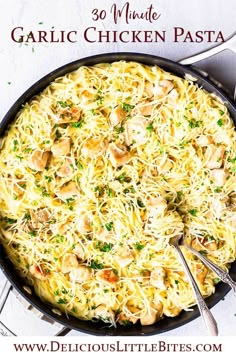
99,328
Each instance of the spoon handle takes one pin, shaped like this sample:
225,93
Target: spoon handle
224,276
209,321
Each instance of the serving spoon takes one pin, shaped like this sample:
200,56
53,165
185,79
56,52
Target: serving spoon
222,275
208,319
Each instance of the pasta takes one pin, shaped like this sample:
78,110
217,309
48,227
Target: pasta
98,172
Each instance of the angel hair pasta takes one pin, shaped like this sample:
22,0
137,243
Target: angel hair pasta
98,172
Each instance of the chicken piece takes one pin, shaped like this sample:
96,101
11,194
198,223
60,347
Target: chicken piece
162,88
204,140
102,313
104,235
67,191
61,147
217,206
145,110
150,317
117,115
38,272
69,262
214,156
125,320
124,257
118,155
79,251
108,276
211,246
69,116
87,96
157,278
148,88
40,217
157,304
81,274
201,273
156,206
197,245
135,131
38,160
93,147
219,177
172,97
84,224
66,169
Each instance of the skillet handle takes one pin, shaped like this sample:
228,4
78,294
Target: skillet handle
230,43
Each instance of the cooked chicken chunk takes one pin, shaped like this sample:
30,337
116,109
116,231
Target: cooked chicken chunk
80,274
135,131
102,313
108,276
201,273
79,251
61,147
204,140
118,154
37,272
162,88
84,224
87,96
38,160
123,256
39,217
66,169
93,147
156,206
145,110
157,278
104,235
150,317
117,115
219,177
214,156
69,262
124,319
148,88
67,191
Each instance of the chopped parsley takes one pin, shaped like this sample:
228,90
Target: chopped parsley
193,212
64,104
220,122
150,128
48,178
218,189
77,124
104,247
127,107
140,203
138,246
109,226
62,301
221,112
119,130
96,265
32,233
10,221
193,123
15,145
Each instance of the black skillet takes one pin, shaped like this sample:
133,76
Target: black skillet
99,328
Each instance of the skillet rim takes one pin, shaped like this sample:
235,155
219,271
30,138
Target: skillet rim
166,324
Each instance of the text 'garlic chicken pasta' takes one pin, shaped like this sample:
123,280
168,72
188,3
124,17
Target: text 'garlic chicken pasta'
98,172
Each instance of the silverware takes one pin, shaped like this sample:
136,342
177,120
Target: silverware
209,321
230,43
224,276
